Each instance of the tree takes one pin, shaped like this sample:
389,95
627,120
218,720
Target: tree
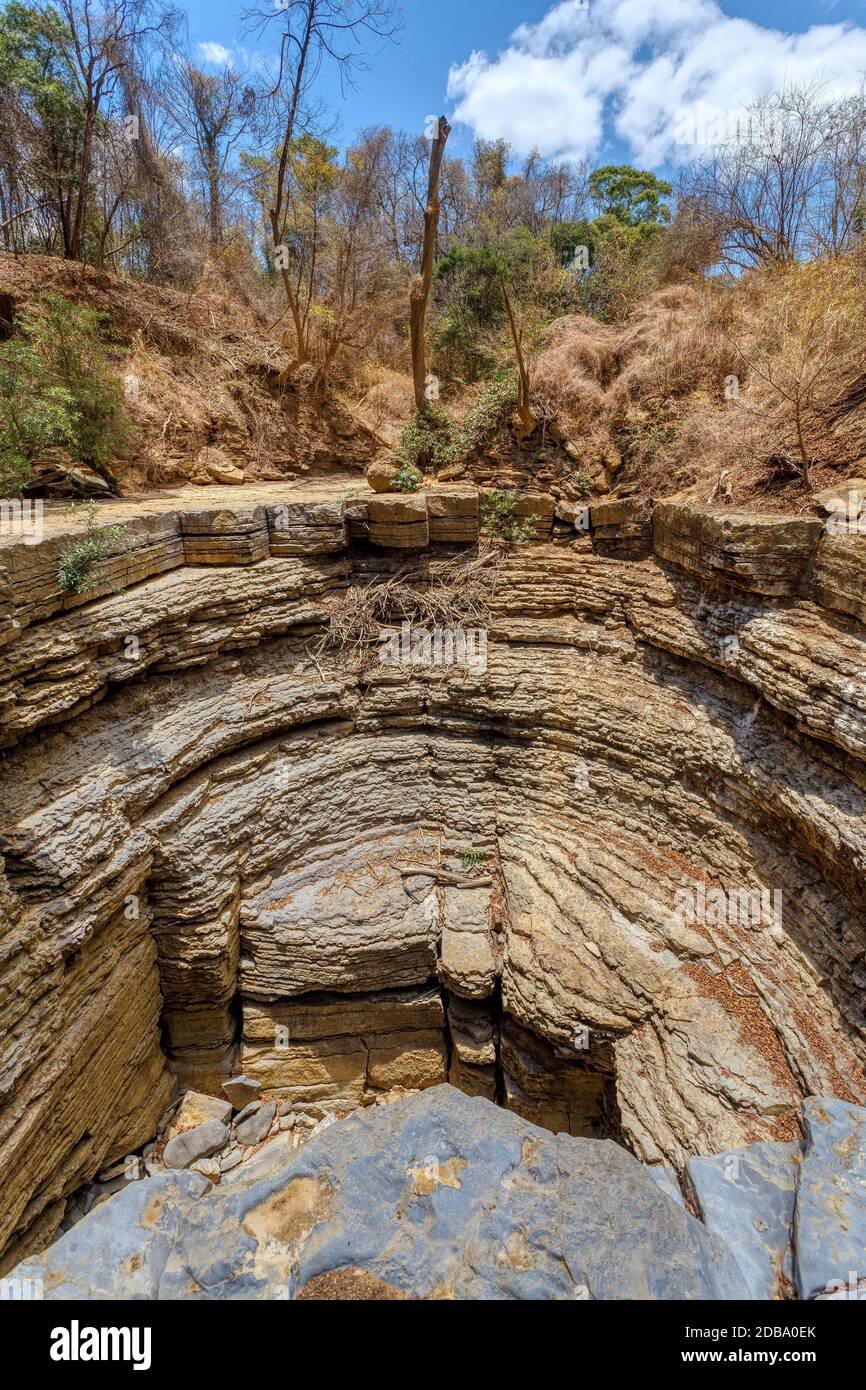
632,196
420,292
63,75
788,182
312,33
40,118
97,40
212,111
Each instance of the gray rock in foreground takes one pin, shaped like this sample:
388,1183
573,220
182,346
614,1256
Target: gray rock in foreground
747,1197
830,1216
187,1148
439,1195
241,1090
120,1249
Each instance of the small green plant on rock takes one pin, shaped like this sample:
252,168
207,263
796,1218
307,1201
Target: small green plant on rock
78,559
407,478
471,859
498,513
582,481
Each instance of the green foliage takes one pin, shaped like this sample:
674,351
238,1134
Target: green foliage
498,514
78,559
582,481
631,196
621,240
434,439
470,332
36,76
58,395
469,287
407,478
471,859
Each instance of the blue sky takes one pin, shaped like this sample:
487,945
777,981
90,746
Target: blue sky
610,82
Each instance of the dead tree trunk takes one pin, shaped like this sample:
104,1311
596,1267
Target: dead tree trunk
420,292
524,409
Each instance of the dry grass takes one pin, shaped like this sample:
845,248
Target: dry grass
647,408
442,594
383,400
200,370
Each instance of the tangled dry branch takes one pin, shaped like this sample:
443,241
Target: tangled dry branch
450,593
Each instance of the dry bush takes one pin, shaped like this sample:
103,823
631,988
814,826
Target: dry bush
800,338
575,361
448,594
648,403
383,399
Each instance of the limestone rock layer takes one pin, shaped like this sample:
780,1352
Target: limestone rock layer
613,881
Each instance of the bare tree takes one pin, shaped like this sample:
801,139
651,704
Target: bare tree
212,112
787,181
312,33
420,293
99,39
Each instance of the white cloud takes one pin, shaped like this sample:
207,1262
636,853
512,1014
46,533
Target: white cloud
215,54
626,69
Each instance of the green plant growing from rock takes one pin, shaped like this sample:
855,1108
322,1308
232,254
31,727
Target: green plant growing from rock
79,557
582,482
407,478
437,440
498,515
471,859
58,394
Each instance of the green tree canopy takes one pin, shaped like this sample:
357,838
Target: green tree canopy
631,196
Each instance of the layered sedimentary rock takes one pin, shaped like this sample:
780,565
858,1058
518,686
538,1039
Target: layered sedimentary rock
614,881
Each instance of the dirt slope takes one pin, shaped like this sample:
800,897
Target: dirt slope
200,376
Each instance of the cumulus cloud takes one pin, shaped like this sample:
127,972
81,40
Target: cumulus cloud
630,69
215,54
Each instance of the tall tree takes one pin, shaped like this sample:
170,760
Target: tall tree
97,42
312,33
212,111
420,293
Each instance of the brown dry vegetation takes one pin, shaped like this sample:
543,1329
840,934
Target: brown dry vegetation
200,371
646,405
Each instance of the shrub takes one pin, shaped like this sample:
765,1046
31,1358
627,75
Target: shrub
407,479
58,395
471,859
498,517
80,556
433,438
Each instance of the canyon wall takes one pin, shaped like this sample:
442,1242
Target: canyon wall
613,880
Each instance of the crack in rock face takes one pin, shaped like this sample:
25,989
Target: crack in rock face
614,882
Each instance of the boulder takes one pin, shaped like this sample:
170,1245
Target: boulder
255,1129
381,473
196,1109
747,1197
220,467
438,1195
241,1090
185,1149
830,1213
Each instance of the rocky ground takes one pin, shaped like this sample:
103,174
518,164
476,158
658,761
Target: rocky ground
441,1196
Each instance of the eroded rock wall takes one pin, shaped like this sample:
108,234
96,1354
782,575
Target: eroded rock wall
222,849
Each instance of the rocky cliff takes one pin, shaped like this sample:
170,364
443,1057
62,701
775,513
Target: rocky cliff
611,877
